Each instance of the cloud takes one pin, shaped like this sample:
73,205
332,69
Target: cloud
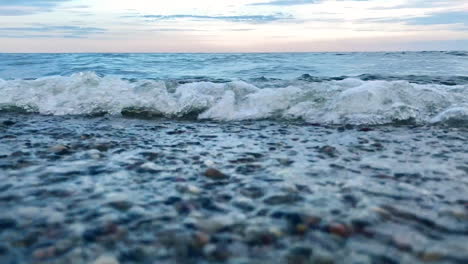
240,18
27,7
47,3
177,30
286,2
440,19
50,32
197,30
415,4
295,2
434,19
39,36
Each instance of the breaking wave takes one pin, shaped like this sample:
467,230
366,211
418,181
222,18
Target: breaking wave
346,101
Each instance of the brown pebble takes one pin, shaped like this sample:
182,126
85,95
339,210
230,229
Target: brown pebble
215,174
201,239
339,230
430,256
312,220
301,229
44,253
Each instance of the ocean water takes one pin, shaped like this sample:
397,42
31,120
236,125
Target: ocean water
329,88
234,158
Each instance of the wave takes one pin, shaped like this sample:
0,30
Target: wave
418,79
346,101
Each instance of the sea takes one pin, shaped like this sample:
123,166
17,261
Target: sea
356,157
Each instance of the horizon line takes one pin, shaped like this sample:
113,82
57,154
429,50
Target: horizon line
234,52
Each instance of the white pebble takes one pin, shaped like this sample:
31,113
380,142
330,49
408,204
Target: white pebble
106,259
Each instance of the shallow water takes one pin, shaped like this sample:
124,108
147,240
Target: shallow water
235,65
75,188
235,158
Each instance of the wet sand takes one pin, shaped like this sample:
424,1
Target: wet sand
116,190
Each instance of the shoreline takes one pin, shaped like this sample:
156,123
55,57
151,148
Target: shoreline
82,189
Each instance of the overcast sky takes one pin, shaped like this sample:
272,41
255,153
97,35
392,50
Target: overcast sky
232,25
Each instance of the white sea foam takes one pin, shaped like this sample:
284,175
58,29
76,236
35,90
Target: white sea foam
455,116
333,102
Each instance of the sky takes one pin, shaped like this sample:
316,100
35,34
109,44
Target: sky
232,25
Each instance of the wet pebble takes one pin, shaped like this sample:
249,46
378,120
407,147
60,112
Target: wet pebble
108,231
7,223
430,256
106,259
44,253
60,149
121,205
244,204
299,255
9,122
103,147
217,252
329,151
282,199
339,229
365,129
215,174
262,236
191,189
252,192
201,239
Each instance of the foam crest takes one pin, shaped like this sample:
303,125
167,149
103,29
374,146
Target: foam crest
455,116
348,101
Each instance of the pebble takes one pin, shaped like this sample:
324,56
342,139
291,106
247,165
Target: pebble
215,174
329,151
3,250
209,163
244,204
7,223
175,132
201,239
151,167
322,259
299,255
217,252
192,189
430,256
285,161
121,205
103,147
107,231
106,259
8,123
402,243
60,149
365,129
262,236
282,199
252,192
339,230
219,222
133,254
44,253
